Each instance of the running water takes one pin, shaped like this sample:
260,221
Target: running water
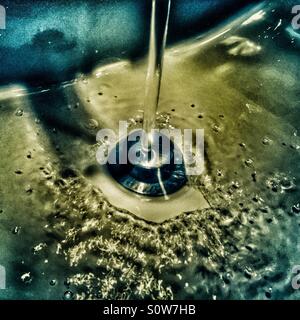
156,170
158,36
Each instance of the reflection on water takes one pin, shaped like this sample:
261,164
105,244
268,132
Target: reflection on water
61,238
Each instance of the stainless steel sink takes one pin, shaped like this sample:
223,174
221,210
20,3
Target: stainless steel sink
61,237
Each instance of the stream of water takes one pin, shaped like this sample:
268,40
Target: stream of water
158,36
60,235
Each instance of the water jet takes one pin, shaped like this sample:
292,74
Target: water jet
157,171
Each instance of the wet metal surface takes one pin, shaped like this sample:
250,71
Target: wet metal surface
61,238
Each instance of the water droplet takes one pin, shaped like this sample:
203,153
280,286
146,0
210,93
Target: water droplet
39,247
242,145
19,113
16,230
53,282
28,189
219,173
266,141
216,128
179,276
247,274
296,208
58,249
227,278
268,293
26,278
287,184
235,185
67,282
92,124
249,162
68,295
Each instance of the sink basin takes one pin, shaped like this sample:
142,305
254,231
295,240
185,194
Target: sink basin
61,237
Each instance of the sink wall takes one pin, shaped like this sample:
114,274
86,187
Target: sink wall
50,41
